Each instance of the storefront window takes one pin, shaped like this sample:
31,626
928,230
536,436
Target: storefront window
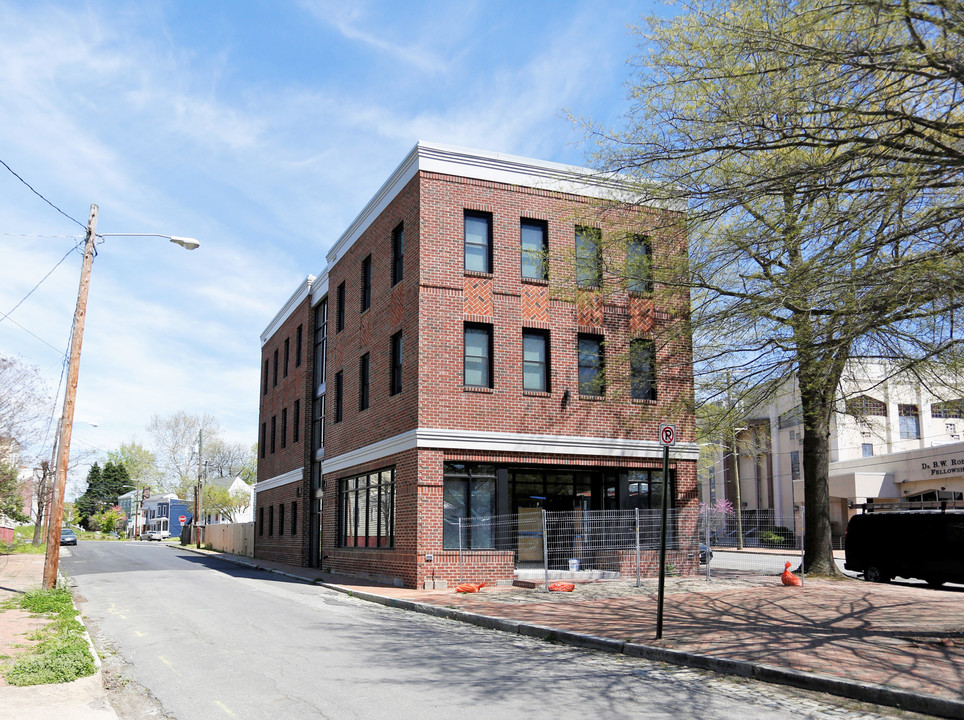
366,510
468,494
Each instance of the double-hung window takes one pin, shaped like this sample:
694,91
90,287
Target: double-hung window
340,308
398,254
395,382
284,428
363,377
639,267
588,257
535,360
591,366
477,371
339,388
642,369
534,250
478,241
366,283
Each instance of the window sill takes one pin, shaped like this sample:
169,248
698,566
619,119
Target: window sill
535,281
592,398
478,274
644,401
476,389
536,393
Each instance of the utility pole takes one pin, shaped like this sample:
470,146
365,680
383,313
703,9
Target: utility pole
197,504
52,558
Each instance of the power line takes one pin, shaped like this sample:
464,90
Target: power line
41,196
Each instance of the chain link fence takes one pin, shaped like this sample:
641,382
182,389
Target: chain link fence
588,545
756,542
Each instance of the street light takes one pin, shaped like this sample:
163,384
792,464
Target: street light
52,558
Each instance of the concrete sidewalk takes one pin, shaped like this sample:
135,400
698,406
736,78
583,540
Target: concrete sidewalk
83,699
886,644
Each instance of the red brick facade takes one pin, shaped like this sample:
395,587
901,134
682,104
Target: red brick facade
434,418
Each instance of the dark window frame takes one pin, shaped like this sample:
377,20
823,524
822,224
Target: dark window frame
364,382
264,438
637,282
270,520
477,215
642,369
395,374
354,494
274,372
542,252
340,308
366,284
489,365
589,265
274,432
546,365
398,254
284,428
281,518
598,368
339,397
287,357
296,422
267,374
299,344
469,476
294,517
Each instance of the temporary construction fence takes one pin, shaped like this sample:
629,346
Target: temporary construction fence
759,542
586,544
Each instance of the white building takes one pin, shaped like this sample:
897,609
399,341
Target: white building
885,437
233,485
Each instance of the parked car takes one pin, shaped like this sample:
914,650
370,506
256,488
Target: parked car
705,554
68,537
922,544
158,535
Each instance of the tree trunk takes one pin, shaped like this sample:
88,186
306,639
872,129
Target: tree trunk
817,393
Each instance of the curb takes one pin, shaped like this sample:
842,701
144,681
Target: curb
852,689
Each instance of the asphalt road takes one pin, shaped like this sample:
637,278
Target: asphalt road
212,639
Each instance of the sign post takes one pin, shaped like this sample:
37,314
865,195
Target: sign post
182,519
667,437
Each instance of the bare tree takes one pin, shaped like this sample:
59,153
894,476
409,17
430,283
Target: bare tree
176,446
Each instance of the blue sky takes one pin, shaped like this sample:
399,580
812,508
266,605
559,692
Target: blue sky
260,128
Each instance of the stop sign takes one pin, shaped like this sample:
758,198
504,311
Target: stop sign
182,519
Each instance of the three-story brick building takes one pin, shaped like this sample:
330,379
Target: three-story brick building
487,339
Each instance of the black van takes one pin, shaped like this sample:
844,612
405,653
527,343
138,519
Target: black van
923,544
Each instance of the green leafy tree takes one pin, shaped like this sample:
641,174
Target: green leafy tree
103,488
818,148
140,463
11,493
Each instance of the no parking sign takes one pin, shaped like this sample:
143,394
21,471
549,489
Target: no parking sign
667,434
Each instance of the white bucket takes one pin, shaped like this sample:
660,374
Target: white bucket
573,565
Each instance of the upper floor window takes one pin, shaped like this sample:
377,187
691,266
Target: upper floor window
478,241
535,361
321,343
284,428
909,419
274,371
287,355
363,377
949,409
642,369
366,283
299,341
639,264
591,364
588,257
477,370
267,369
274,432
264,438
865,405
395,383
296,422
535,253
867,449
340,308
398,254
339,387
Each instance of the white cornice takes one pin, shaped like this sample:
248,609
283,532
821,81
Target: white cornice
279,480
297,297
494,167
445,439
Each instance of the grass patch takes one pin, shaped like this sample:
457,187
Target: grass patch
25,548
62,653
